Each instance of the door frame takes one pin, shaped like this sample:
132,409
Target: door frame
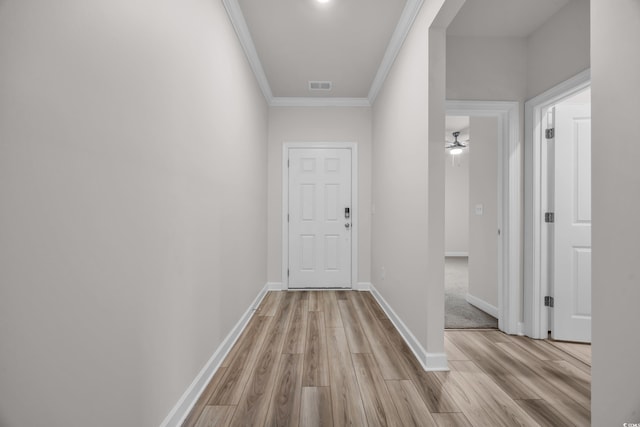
353,146
536,240
509,204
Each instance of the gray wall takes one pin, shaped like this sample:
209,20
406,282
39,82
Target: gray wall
133,159
486,68
559,49
519,68
400,162
314,124
407,265
615,92
456,205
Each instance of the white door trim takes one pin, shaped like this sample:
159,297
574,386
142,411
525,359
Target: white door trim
354,204
536,269
509,205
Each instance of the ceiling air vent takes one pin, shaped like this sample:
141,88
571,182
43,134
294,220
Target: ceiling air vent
318,85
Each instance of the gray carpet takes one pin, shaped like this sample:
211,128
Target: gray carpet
458,313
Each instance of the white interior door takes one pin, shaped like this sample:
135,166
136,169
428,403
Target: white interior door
320,218
571,315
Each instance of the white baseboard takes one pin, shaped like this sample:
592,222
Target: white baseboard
483,305
453,253
436,362
429,361
274,286
362,286
189,398
520,330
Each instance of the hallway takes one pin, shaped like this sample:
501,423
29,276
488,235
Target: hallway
334,358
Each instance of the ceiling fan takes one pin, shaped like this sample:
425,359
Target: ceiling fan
456,146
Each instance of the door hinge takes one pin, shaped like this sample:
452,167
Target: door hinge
287,272
550,133
287,217
549,217
288,162
548,302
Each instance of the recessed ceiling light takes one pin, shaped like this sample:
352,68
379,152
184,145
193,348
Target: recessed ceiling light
323,1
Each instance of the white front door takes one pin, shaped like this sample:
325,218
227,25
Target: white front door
320,218
571,315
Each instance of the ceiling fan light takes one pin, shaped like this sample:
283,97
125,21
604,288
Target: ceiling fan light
455,151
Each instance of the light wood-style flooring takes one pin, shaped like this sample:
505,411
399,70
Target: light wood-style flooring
333,358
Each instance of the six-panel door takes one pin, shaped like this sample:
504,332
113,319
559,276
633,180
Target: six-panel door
320,218
572,224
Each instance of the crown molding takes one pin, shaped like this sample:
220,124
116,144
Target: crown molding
240,25
318,102
409,14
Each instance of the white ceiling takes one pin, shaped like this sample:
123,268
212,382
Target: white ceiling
342,41
456,124
503,18
353,43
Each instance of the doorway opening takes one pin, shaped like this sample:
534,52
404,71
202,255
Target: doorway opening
557,299
508,227
471,222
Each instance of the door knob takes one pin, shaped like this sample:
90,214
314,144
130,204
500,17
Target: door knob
347,225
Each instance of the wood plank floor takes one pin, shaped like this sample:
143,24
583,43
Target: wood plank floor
332,358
